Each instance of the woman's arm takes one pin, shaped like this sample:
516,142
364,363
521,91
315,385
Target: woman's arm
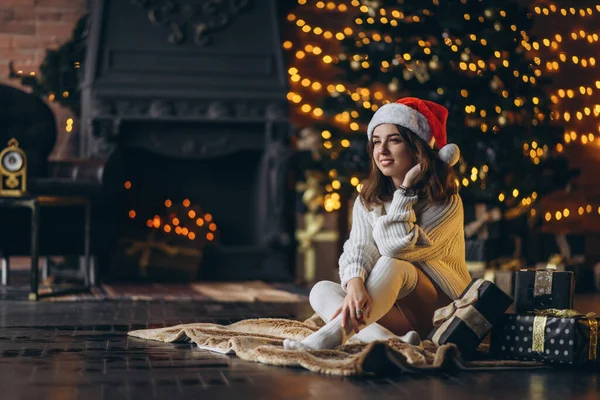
398,235
360,253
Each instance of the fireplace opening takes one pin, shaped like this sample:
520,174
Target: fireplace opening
226,187
218,189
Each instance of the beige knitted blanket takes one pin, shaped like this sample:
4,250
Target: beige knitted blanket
261,340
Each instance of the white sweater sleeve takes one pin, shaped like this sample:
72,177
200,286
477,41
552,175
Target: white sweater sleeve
360,253
398,235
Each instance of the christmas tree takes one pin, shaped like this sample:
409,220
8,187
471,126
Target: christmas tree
471,56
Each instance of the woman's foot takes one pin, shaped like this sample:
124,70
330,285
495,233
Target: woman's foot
411,337
295,345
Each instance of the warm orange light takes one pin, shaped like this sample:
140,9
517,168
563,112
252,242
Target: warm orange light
132,214
192,235
192,214
127,185
199,222
184,231
186,203
212,227
156,221
210,236
175,221
208,217
167,228
178,230
168,203
150,223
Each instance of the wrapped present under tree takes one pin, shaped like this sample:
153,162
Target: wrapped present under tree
318,233
317,246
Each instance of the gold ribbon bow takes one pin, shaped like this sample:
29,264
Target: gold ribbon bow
539,326
462,309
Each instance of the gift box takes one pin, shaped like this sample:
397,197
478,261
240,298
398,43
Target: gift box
468,319
559,336
317,252
155,259
543,289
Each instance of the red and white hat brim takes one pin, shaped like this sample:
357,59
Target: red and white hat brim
400,114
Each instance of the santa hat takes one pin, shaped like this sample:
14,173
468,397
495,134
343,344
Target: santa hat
425,118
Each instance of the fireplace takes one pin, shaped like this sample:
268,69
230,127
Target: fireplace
187,102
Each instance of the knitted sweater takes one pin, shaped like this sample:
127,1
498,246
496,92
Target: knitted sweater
429,236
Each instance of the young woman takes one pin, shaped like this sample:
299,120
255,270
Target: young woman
405,256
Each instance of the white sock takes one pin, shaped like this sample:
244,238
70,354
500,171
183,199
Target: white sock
389,280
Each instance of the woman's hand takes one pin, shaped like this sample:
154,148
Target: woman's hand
356,298
411,176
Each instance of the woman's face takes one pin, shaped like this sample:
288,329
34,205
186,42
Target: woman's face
391,153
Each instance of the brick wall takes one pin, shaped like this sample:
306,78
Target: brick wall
27,29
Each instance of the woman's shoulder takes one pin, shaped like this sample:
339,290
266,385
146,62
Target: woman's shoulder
453,200
451,205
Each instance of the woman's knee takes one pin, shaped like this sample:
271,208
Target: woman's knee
320,290
395,266
403,272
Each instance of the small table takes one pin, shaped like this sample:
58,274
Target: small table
35,203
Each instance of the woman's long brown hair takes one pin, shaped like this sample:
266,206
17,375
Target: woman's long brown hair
436,182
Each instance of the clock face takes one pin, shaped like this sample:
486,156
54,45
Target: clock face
12,161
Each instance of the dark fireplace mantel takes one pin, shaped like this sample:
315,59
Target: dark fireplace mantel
198,80
136,70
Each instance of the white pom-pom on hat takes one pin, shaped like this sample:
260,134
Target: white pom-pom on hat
450,154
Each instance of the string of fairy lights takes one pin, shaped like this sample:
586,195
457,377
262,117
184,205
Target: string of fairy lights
372,100
189,225
556,50
553,9
302,81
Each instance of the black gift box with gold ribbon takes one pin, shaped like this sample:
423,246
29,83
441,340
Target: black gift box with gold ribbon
543,289
467,320
558,336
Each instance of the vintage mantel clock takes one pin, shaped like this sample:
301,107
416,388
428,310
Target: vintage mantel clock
13,170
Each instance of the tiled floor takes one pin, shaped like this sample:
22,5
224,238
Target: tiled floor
81,351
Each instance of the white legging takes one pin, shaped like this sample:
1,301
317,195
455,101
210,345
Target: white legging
390,279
